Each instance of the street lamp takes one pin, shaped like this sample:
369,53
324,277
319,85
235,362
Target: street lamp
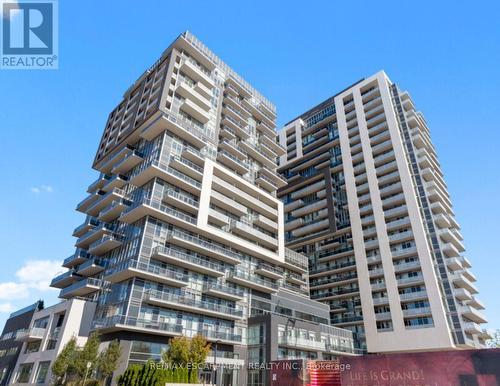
215,361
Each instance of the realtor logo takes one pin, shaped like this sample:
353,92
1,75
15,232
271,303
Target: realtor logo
29,34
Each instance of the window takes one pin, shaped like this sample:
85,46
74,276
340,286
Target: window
23,375
32,347
41,374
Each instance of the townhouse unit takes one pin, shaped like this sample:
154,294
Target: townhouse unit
47,333
10,346
184,232
367,202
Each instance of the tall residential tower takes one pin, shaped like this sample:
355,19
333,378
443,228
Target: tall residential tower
184,232
366,201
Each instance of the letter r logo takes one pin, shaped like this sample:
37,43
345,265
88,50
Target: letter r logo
27,28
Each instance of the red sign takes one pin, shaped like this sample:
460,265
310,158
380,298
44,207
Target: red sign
442,368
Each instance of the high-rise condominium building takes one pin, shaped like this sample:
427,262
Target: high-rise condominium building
366,201
184,232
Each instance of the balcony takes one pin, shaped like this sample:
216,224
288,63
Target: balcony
223,292
476,303
231,146
80,256
98,183
453,263
177,125
421,311
265,182
253,234
301,343
32,334
122,322
232,162
404,252
265,126
461,281
472,328
106,244
181,201
296,261
442,220
255,151
380,300
396,224
91,267
246,196
89,224
94,234
411,265
378,285
409,296
295,279
410,280
462,294
188,261
331,294
204,247
197,73
192,109
190,304
382,316
187,167
188,90
472,314
132,159
64,279
398,211
274,176
237,126
88,201
251,281
114,194
273,145
113,210
401,236
451,250
310,228
150,207
228,204
265,223
117,181
237,103
269,271
450,237
161,170
146,271
83,287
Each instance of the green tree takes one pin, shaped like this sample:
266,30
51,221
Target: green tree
199,349
178,352
64,363
108,359
88,354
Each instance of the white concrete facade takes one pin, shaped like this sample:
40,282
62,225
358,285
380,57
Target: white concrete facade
404,290
50,330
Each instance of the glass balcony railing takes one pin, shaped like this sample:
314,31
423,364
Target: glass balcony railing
192,259
223,288
190,301
225,251
149,268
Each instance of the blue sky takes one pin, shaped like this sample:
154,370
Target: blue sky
447,54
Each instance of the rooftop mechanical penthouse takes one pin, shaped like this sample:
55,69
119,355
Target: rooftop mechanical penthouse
184,232
366,201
